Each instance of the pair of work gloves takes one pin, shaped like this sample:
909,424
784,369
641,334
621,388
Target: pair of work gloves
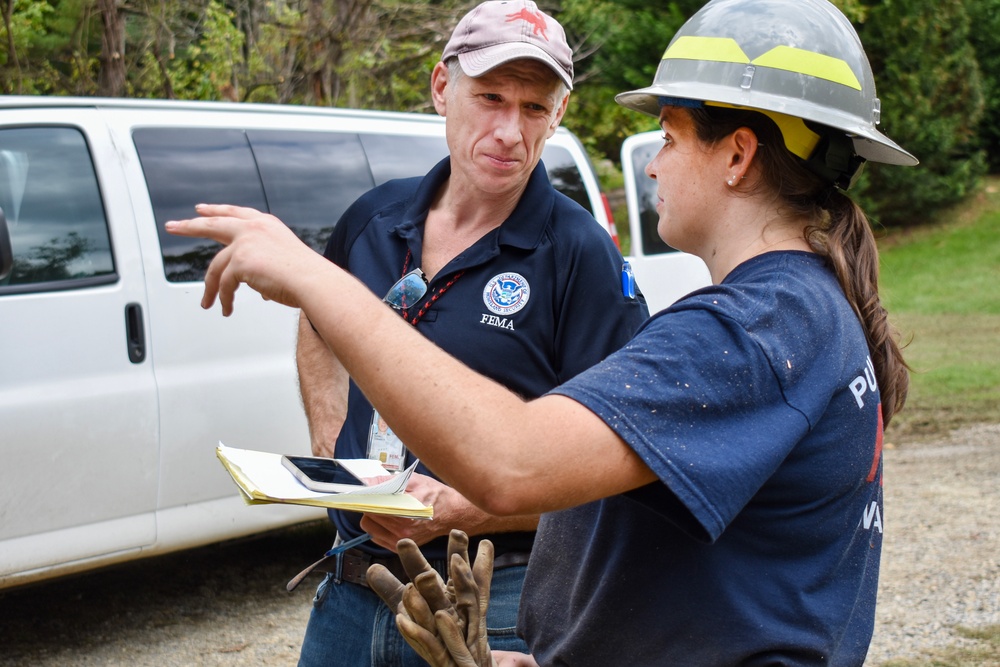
444,622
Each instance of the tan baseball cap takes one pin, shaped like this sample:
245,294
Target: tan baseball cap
499,31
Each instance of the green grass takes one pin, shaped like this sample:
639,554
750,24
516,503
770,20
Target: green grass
941,285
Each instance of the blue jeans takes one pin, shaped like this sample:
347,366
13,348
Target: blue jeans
350,626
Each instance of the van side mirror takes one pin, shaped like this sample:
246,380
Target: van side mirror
6,251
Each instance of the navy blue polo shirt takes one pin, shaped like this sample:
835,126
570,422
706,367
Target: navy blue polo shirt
538,300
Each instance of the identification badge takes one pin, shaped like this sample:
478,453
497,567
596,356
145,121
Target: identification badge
384,446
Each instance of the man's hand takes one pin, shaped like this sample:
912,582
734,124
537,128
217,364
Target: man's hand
451,510
260,251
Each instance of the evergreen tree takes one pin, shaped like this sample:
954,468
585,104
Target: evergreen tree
932,102
985,37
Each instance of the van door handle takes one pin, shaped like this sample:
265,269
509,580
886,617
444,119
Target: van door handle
135,334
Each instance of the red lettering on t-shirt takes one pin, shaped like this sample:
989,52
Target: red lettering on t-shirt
878,448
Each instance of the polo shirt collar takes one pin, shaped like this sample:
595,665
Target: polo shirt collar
522,229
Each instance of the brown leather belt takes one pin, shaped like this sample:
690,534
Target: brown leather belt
355,564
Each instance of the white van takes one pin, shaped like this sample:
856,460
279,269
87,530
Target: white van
115,386
663,273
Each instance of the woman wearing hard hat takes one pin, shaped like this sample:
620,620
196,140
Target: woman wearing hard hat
713,490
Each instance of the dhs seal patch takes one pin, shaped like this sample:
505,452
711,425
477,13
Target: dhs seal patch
506,293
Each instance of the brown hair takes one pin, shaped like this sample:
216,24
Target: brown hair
841,233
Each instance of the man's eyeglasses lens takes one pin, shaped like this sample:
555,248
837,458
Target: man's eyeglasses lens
407,291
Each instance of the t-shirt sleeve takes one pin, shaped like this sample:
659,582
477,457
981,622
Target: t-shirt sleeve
694,396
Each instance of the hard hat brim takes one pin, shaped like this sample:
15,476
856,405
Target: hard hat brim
869,143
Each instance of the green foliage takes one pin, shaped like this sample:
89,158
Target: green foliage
262,79
932,102
985,19
627,37
69,46
623,42
23,68
207,68
938,100
600,123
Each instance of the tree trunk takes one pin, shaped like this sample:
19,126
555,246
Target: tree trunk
330,22
12,60
111,78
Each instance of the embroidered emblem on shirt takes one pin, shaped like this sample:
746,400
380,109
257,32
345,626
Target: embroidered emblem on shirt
506,293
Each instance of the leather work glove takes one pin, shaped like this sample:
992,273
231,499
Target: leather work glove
444,623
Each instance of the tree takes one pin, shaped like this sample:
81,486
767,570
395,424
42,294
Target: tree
938,79
930,87
984,16
618,45
111,77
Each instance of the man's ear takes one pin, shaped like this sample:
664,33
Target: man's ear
439,88
560,112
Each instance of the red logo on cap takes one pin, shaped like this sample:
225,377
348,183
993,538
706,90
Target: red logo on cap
536,20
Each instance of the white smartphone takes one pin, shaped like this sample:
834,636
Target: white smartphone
320,474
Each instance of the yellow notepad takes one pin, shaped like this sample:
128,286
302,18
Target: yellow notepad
262,478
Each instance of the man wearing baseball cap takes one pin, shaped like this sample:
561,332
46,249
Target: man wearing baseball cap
487,260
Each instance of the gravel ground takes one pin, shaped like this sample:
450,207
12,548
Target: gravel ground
941,555
226,604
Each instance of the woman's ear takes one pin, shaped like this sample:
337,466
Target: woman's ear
742,145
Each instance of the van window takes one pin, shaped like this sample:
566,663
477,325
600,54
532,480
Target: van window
645,190
310,178
307,179
53,210
394,156
189,166
565,175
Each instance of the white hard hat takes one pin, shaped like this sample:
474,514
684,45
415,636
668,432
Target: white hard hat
794,60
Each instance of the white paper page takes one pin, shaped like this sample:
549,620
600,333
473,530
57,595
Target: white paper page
264,469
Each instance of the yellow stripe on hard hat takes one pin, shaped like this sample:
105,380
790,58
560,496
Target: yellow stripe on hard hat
787,58
722,49
810,63
799,139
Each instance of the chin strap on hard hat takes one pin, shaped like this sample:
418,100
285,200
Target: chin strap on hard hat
834,160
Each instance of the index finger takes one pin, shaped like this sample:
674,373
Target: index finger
220,229
217,222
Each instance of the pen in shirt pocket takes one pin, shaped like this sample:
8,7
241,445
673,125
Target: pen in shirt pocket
628,281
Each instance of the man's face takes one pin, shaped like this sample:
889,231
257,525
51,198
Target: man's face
497,123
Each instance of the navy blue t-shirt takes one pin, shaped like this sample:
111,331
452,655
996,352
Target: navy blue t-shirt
756,405
562,312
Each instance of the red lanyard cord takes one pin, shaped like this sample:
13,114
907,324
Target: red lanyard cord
434,297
